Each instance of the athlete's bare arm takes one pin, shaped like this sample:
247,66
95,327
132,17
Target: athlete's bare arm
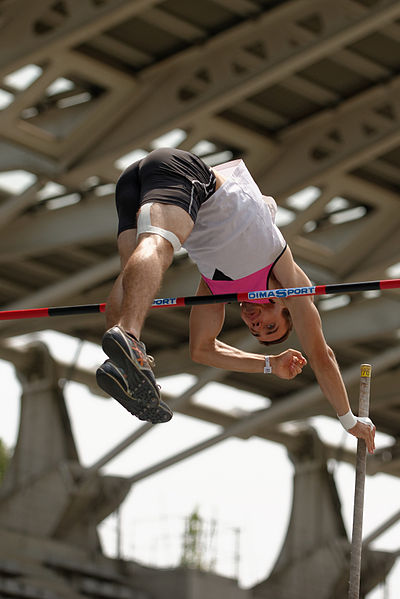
308,326
205,325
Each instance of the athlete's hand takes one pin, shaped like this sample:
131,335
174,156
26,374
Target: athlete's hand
365,429
288,364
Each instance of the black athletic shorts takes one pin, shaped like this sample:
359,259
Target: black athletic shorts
166,175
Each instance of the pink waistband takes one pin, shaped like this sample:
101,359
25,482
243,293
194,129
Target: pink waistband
257,281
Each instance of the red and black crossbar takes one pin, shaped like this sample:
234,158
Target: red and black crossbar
197,300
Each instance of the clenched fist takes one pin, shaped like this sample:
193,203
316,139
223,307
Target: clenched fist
288,364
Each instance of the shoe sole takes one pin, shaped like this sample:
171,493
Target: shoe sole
112,387
141,387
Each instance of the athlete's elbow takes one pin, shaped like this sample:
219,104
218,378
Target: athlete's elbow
330,355
323,358
199,354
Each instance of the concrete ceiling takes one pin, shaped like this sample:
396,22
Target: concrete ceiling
306,91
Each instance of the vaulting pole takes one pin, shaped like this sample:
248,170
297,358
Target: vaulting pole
197,300
361,464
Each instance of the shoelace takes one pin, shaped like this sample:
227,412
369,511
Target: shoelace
152,363
126,378
151,360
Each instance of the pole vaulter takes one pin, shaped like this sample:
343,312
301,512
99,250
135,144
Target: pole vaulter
197,300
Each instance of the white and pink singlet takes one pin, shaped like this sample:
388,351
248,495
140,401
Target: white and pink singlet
235,241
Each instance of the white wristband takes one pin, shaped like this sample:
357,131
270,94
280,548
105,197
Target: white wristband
348,420
267,367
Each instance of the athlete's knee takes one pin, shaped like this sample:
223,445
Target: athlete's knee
154,251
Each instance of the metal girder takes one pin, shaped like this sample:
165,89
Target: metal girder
232,66
13,157
60,292
385,391
372,193
381,529
361,321
20,358
80,21
375,230
361,64
383,201
65,134
208,375
282,411
343,247
303,87
120,50
390,418
392,30
337,140
240,7
174,25
387,171
254,145
14,206
189,90
75,283
381,257
12,289
41,233
388,464
267,118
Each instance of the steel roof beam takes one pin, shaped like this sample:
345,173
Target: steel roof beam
15,205
48,231
232,67
58,292
336,140
84,20
362,321
177,27
244,8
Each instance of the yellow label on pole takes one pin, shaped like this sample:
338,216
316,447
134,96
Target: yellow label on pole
366,370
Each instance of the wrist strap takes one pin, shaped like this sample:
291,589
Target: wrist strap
267,367
348,420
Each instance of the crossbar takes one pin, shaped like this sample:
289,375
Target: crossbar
223,298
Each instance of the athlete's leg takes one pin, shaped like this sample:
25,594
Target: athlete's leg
130,379
126,247
144,270
140,280
165,186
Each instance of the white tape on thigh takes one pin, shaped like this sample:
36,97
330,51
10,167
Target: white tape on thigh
144,226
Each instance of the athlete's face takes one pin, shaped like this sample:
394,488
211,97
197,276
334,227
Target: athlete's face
265,321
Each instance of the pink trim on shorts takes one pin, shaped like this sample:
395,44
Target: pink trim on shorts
257,281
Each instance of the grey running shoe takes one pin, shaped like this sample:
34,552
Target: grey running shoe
113,381
130,355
